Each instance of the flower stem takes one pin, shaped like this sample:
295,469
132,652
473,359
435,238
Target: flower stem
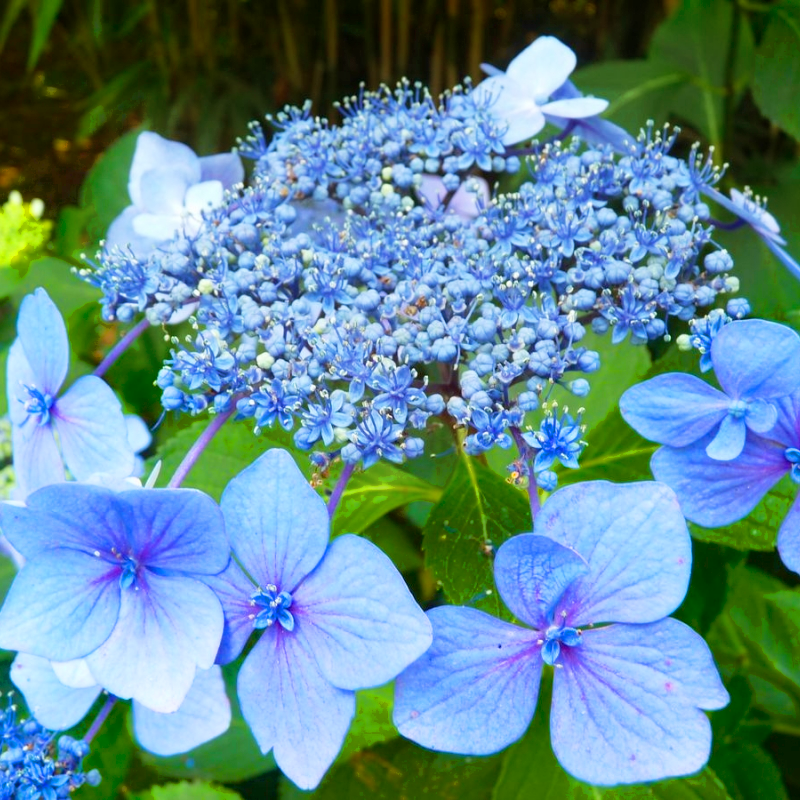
727,226
101,717
524,454
338,490
121,346
197,448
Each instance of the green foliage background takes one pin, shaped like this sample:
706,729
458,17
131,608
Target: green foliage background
90,72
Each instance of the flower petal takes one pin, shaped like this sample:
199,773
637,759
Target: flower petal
139,436
43,335
154,152
204,196
62,605
167,627
360,620
543,66
164,190
55,706
474,691
277,524
576,107
122,234
177,529
91,427
714,493
761,416
635,540
223,167
756,358
37,462
789,538
157,227
728,441
71,515
203,715
233,588
511,104
674,409
531,573
291,708
626,703
75,673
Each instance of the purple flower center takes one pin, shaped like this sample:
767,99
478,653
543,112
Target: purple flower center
127,577
274,606
556,636
38,405
792,455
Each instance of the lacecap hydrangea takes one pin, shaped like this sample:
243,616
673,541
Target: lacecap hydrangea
367,279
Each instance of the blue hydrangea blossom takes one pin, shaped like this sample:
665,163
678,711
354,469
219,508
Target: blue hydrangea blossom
92,436
170,188
755,363
714,493
34,765
594,582
334,617
117,579
520,97
60,695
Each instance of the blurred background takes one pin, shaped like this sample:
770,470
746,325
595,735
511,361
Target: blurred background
79,79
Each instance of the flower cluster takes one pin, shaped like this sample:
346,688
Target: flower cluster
35,764
367,279
724,450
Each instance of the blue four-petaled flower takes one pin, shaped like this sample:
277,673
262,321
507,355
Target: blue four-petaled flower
594,582
755,362
85,425
118,580
353,623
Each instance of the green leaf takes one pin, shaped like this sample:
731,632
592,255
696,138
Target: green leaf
105,189
750,639
398,541
759,530
233,448
637,90
13,10
682,43
375,492
111,750
66,290
44,15
478,509
189,791
234,756
400,769
748,772
372,723
776,84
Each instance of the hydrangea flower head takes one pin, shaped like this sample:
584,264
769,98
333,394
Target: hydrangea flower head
594,582
117,579
87,418
334,617
714,493
60,695
520,96
755,364
170,187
